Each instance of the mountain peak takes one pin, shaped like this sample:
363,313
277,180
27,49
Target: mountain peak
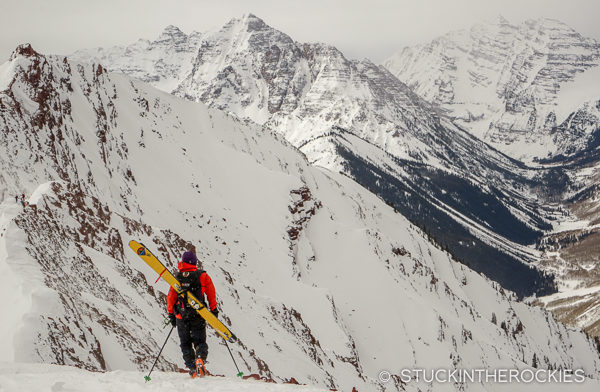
251,22
255,32
172,33
494,23
24,50
251,18
501,20
496,20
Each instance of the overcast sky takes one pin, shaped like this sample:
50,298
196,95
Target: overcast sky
367,28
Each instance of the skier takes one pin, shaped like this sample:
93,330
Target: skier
16,198
191,327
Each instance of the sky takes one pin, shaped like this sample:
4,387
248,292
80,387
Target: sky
373,29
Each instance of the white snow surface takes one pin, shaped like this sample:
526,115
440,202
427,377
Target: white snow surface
19,377
319,279
7,70
580,292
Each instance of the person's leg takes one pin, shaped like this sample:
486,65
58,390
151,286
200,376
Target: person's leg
185,342
198,330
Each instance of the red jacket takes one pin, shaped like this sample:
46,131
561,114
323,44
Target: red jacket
208,289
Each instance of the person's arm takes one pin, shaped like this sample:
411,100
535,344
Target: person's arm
171,300
209,291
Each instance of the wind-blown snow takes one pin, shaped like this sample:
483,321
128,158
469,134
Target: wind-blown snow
7,70
39,192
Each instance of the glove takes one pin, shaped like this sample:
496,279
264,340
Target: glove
215,311
172,319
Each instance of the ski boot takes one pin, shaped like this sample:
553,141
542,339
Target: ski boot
200,369
193,371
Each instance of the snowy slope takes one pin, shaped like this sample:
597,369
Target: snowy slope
510,85
320,280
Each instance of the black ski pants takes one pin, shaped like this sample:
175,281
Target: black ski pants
192,338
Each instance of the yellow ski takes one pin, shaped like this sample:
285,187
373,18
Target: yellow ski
168,277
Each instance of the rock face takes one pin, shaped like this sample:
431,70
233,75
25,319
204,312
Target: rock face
320,280
527,89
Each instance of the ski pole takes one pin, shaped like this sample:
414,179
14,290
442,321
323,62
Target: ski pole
239,374
147,378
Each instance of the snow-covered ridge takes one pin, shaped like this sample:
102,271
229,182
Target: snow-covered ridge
511,85
286,243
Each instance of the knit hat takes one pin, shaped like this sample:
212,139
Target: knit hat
189,257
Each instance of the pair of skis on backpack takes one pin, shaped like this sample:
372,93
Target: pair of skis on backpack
162,271
200,370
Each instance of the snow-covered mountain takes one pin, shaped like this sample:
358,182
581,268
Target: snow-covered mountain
254,71
530,89
160,62
320,280
356,117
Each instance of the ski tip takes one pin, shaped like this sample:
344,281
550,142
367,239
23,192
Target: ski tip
147,378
